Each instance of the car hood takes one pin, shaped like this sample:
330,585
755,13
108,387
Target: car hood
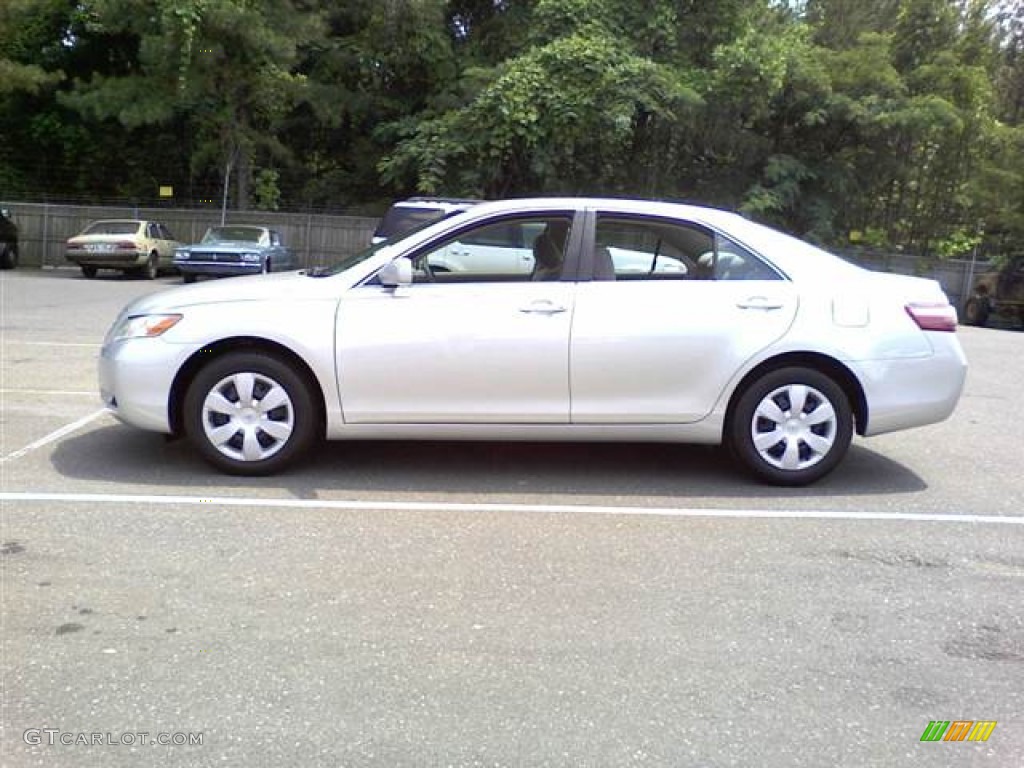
276,286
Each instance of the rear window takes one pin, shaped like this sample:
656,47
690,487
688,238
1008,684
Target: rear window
112,228
400,220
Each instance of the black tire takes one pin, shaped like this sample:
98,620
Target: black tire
152,268
789,443
209,419
265,269
89,272
189,277
8,256
976,311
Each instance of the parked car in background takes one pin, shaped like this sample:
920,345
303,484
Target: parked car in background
8,241
236,249
998,294
408,215
140,247
758,340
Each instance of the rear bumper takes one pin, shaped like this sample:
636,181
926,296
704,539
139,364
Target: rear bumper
913,392
108,259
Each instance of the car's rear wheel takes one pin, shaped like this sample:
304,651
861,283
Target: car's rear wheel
249,413
791,427
152,268
8,256
89,272
189,277
976,311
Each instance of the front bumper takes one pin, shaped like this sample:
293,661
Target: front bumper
136,377
218,267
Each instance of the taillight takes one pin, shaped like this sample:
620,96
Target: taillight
126,245
933,317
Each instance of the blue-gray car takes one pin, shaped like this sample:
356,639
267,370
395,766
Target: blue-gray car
235,249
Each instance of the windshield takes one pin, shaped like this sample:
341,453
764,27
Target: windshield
357,258
240,234
349,261
112,228
401,220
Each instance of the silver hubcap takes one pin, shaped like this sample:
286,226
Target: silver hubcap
794,427
248,416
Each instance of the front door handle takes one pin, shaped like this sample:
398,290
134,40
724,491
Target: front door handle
543,307
760,302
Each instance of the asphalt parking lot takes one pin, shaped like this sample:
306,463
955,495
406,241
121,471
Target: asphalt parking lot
495,604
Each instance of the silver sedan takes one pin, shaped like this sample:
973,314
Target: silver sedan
756,340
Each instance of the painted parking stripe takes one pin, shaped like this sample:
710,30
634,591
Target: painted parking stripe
442,506
50,392
84,345
67,429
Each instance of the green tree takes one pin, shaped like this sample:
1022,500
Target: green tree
223,68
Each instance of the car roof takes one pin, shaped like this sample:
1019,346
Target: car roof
436,202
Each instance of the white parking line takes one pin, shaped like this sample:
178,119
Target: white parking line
52,344
67,429
49,392
441,506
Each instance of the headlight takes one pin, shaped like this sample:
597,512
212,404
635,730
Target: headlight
250,257
183,255
143,326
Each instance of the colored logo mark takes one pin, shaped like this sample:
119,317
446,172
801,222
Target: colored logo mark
958,730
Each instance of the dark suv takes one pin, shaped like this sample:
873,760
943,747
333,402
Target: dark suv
998,294
8,241
406,215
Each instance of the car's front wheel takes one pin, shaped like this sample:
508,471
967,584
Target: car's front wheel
249,413
792,426
8,256
89,272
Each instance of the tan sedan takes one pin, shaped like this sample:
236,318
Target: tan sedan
141,247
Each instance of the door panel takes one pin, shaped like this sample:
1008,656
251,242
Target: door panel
649,352
456,353
659,345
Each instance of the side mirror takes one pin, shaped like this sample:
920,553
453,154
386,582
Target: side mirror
396,274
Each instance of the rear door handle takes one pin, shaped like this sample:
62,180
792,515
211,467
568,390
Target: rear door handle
543,307
760,302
